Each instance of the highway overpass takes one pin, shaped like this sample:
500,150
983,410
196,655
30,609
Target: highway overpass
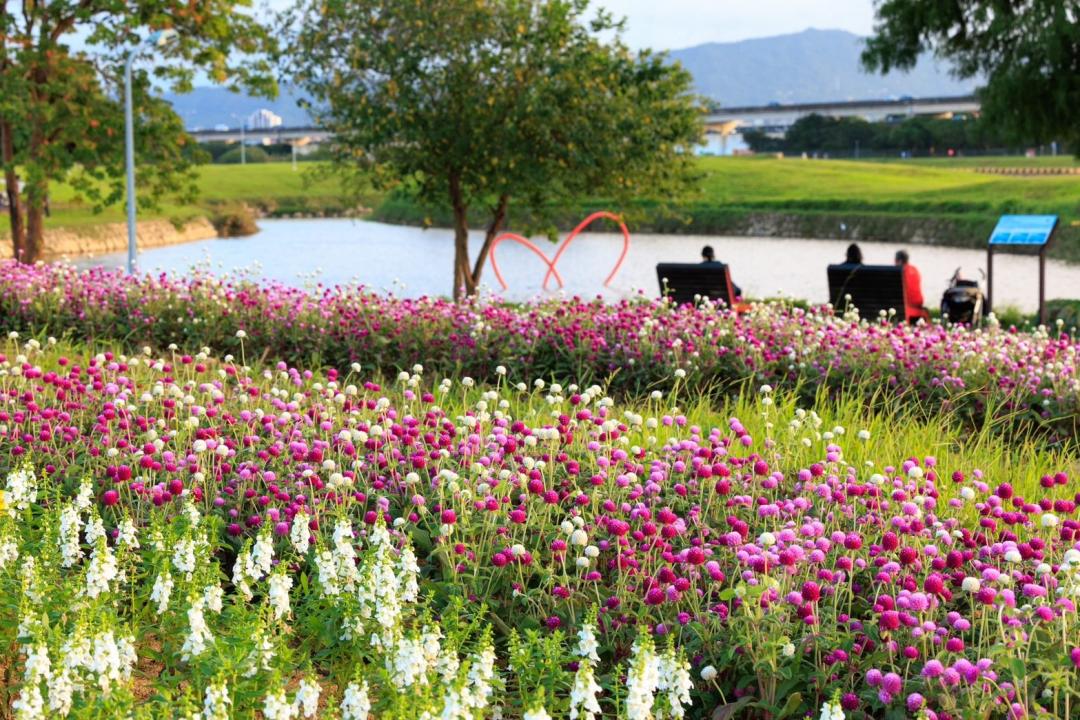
720,125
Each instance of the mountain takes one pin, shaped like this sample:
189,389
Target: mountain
205,107
810,66
813,65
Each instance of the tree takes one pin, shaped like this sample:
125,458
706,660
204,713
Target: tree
61,117
477,104
1027,50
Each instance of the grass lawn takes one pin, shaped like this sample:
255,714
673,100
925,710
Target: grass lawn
892,186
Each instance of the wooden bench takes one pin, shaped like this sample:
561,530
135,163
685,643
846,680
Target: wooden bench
872,288
685,282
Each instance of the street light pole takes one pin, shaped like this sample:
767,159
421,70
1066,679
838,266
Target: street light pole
158,39
129,161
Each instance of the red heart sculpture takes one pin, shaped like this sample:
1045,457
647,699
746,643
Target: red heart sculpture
562,248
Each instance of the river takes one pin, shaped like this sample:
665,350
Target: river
410,261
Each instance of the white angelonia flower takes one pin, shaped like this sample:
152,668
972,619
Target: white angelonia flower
407,665
583,694
536,713
241,571
95,530
300,533
20,491
307,698
355,704
103,569
199,635
30,705
832,710
61,692
9,553
641,680
217,703
129,535
162,591
673,680
328,577
276,706
69,527
409,574
262,556
345,554
481,676
587,643
183,558
261,657
85,496
214,596
278,595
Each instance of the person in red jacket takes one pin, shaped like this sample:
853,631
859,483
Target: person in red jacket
913,297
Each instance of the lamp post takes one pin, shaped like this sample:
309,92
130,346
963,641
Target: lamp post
158,39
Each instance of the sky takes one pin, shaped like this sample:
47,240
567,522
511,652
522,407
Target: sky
674,24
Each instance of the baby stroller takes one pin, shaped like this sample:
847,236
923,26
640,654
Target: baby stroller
963,301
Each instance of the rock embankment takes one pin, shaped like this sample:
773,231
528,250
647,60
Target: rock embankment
112,237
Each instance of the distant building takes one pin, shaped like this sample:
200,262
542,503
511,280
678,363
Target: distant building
263,119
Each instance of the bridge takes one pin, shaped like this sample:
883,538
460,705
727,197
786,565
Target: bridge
773,119
264,136
776,119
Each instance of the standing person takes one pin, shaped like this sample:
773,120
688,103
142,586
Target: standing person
708,255
853,255
913,297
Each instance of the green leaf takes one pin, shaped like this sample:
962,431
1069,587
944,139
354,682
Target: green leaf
791,706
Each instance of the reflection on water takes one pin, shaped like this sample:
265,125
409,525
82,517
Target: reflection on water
412,261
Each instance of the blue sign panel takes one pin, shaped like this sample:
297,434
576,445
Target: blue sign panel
1023,230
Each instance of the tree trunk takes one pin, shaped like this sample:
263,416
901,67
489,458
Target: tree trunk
463,278
498,218
35,223
11,181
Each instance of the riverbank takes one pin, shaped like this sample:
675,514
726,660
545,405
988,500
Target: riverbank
110,237
943,202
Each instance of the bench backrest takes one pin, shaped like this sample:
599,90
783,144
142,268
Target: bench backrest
872,288
683,281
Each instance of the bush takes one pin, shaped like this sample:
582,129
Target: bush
254,154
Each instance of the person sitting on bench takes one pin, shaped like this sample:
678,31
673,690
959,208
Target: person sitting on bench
913,296
708,255
853,255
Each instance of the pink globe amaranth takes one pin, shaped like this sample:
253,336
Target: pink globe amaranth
448,517
110,498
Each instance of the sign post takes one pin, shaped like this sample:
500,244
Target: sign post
1021,230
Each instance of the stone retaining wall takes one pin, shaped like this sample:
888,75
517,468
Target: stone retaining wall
1028,171
112,237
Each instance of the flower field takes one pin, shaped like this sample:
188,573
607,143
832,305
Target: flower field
190,534
1017,383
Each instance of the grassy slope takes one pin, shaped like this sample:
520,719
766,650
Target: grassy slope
939,198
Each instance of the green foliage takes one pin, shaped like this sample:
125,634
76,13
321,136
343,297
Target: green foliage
1027,51
918,135
477,105
61,109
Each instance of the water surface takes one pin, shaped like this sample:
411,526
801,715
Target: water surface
412,262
